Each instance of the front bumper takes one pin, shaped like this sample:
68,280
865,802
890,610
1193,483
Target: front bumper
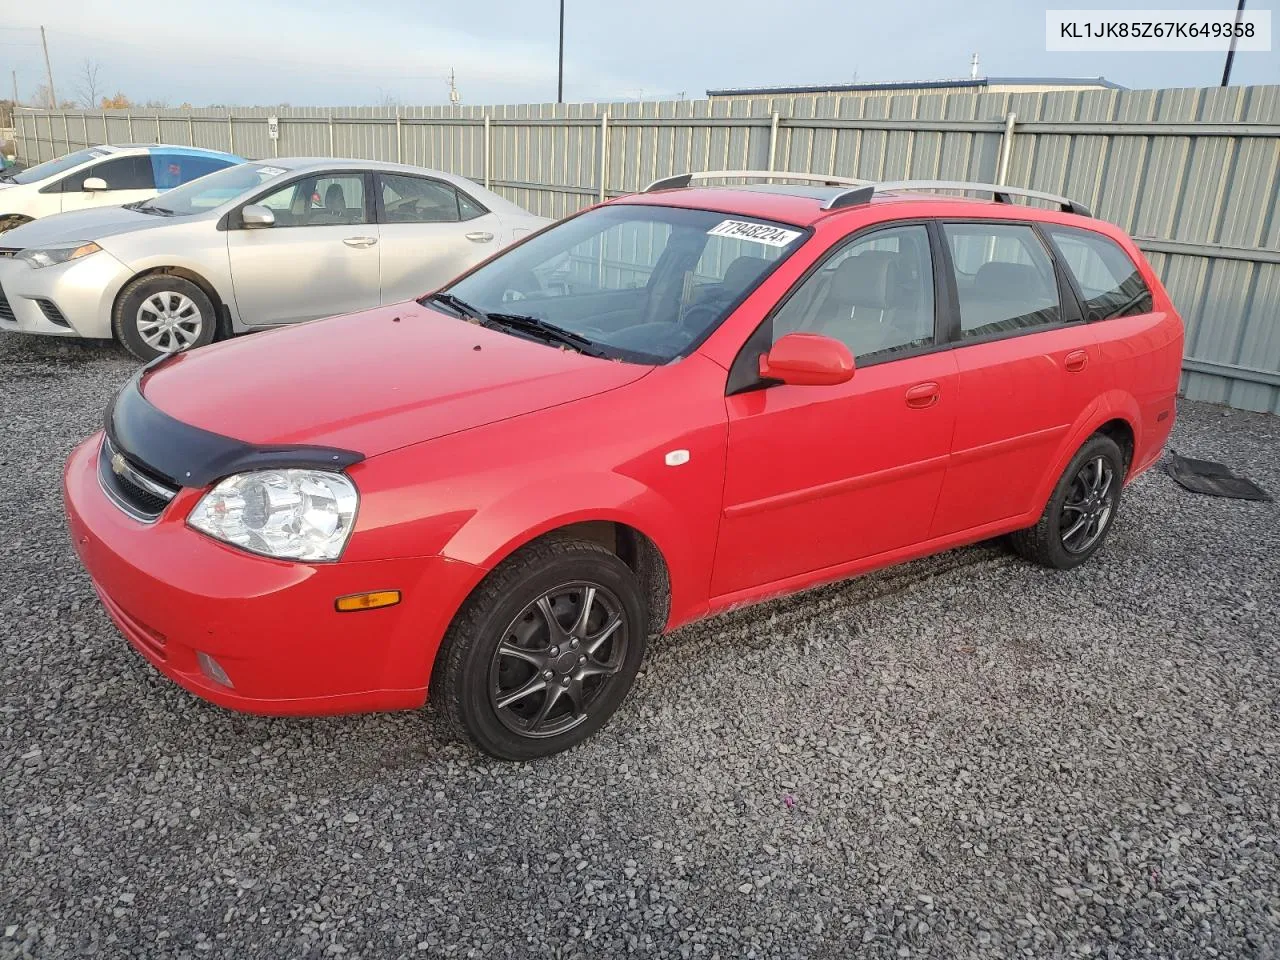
81,294
270,624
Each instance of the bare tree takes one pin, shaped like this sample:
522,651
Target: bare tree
88,88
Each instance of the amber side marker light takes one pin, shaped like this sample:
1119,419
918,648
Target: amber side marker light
367,601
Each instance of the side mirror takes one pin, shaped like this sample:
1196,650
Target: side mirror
93,184
807,359
256,215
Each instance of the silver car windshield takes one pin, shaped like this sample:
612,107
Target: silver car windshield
636,282
212,190
51,168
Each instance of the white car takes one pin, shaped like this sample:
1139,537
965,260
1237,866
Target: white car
254,246
102,177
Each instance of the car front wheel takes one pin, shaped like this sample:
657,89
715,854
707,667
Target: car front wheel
161,314
544,651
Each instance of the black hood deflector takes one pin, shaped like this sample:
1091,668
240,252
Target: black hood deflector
187,456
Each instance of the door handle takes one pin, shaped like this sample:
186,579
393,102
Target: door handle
922,395
1075,361
360,241
479,236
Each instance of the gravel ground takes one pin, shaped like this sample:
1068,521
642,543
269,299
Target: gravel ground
963,757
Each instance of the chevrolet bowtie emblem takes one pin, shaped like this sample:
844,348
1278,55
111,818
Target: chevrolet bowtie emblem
117,464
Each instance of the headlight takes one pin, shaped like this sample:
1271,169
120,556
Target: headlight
48,256
292,514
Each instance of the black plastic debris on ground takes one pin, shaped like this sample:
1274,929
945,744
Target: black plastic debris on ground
1213,479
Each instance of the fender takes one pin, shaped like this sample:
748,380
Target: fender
1112,405
487,538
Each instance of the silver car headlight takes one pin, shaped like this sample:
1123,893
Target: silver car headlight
290,514
48,256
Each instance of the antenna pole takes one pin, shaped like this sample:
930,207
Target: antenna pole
1231,50
560,72
53,100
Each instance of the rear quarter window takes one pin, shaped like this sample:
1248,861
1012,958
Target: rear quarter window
1109,281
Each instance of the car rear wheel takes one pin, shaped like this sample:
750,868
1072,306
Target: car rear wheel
544,651
161,314
1080,511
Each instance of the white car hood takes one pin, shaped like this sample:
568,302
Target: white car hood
93,224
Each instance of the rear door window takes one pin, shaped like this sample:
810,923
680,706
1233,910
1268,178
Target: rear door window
421,200
1108,279
173,169
1005,280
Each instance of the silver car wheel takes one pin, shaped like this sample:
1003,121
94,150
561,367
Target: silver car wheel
169,321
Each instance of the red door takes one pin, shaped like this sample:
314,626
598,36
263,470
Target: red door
818,476
1017,400
1028,368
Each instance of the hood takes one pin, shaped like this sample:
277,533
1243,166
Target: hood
373,381
75,225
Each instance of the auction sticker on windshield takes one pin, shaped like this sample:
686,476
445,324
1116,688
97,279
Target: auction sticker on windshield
755,232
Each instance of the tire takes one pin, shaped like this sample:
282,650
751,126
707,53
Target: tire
479,687
189,322
11,221
1057,541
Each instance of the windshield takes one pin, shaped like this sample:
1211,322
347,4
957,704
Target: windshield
214,189
645,283
53,167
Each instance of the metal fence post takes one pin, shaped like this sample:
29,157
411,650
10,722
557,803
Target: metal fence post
231,135
84,122
604,152
66,132
191,130
159,138
488,154
332,152
773,139
399,144
106,131
1006,148
129,117
275,144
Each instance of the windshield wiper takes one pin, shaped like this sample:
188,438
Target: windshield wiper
547,331
152,208
1127,305
4,177
457,305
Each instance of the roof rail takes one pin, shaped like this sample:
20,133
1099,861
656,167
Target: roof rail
684,179
1000,192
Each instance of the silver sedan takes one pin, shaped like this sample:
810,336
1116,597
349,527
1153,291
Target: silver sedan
253,246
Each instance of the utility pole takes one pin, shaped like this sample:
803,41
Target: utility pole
53,100
560,74
453,88
14,75
1231,50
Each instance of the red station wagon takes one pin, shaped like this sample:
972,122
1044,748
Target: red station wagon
667,405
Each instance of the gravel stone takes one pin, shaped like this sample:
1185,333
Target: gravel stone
982,759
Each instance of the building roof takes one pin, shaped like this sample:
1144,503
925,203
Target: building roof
966,83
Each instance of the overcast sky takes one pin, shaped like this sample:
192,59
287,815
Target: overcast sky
504,51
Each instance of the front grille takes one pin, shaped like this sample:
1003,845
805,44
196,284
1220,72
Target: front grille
6,311
51,312
129,488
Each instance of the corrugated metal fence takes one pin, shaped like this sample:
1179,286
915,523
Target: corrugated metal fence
1194,174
